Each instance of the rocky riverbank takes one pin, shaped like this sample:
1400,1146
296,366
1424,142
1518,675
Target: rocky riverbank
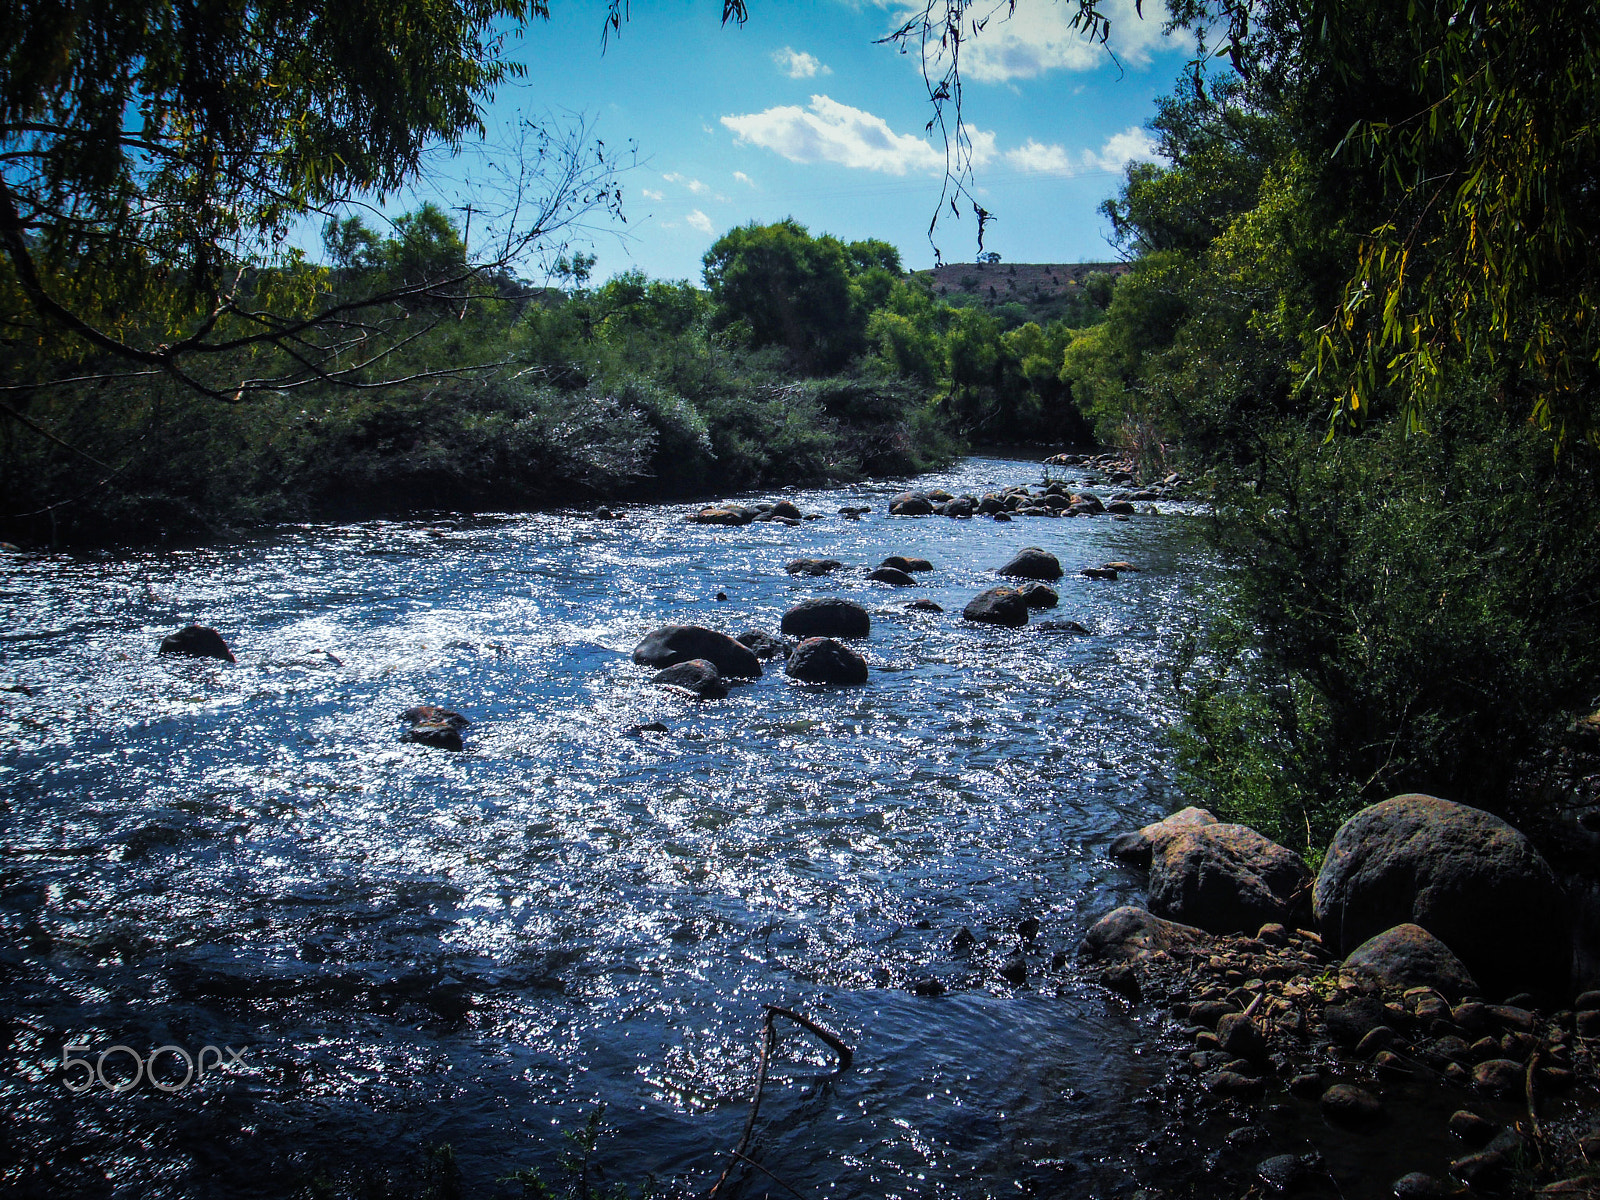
1424,976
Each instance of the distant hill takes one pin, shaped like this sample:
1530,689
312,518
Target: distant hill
1045,290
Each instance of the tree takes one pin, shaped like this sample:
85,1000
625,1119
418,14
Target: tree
156,156
811,295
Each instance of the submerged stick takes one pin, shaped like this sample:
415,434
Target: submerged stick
769,1038
834,1042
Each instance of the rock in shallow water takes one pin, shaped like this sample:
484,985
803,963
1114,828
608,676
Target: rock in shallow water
998,606
1032,563
430,725
197,641
828,617
698,677
824,660
764,645
892,575
900,562
672,644
1347,1104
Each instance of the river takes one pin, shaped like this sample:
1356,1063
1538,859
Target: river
403,948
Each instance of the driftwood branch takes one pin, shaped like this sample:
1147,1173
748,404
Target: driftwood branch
769,1038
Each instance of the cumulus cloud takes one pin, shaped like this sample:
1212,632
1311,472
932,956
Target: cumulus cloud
1038,37
744,179
652,194
797,64
698,220
694,185
831,132
1131,145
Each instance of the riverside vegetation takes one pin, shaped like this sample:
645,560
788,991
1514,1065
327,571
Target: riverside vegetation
1361,305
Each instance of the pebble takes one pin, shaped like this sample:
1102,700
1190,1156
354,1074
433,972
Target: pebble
1351,1105
1471,1128
1499,1077
1417,1186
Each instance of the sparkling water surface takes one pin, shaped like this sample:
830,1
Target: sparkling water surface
418,948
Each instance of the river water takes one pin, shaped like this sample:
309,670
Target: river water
408,948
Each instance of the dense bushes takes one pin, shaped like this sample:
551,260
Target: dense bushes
1412,586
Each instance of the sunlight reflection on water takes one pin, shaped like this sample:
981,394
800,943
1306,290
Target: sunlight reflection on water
422,947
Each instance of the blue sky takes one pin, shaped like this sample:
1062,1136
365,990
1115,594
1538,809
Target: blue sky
801,112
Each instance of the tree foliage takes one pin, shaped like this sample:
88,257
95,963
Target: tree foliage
156,156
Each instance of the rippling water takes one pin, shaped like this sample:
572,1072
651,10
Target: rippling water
418,948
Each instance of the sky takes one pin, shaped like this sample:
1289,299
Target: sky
802,112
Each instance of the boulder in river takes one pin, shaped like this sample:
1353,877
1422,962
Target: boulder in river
787,509
827,617
1137,847
892,575
1032,563
1039,595
723,514
813,566
1409,956
901,563
1098,573
824,660
431,725
924,606
1226,878
1060,627
696,677
763,644
911,504
998,606
672,644
1464,875
197,641
1129,934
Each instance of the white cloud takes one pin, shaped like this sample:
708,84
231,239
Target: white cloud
744,179
1131,145
698,220
796,64
832,132
1038,37
694,185
652,194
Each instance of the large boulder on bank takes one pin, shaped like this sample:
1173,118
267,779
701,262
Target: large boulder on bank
998,606
1129,934
1464,875
695,677
1138,847
1226,878
827,617
197,641
1032,563
673,644
1409,956
823,660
